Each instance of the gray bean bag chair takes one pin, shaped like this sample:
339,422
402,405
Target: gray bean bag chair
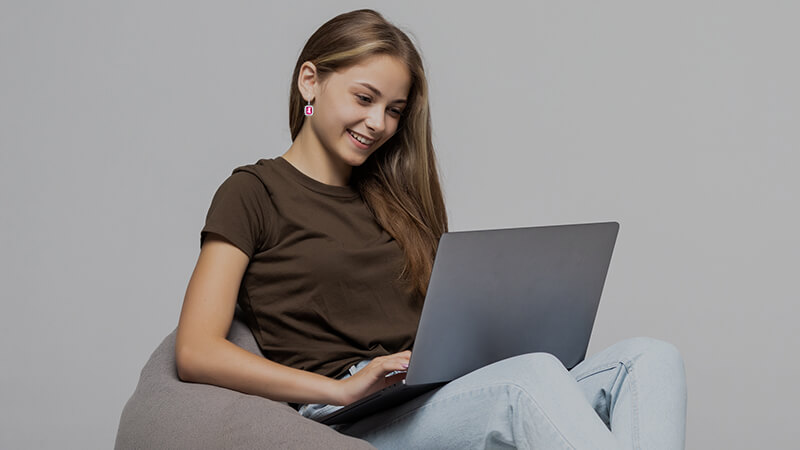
167,413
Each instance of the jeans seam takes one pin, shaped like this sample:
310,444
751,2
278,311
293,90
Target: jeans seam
533,399
628,365
635,401
455,394
597,369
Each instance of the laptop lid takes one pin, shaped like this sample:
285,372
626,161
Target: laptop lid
494,294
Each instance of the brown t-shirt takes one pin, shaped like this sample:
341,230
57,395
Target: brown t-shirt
320,292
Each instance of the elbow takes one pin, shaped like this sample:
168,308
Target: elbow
183,363
193,360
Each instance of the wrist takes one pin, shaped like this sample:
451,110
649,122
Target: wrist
336,393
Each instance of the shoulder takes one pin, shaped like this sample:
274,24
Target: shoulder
245,185
258,174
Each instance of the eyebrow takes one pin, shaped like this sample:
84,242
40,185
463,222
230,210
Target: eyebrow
377,92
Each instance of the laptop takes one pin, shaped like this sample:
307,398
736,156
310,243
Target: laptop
494,294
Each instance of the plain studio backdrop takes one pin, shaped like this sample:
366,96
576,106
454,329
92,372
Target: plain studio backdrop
119,120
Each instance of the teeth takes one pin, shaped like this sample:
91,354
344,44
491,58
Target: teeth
359,138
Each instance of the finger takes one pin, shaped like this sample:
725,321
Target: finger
390,363
395,364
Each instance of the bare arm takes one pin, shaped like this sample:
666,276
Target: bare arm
204,355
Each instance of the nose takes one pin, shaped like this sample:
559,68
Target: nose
375,120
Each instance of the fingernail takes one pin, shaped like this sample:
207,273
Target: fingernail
405,366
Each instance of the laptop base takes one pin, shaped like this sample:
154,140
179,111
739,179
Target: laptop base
379,401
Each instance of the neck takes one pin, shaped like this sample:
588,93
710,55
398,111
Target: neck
309,157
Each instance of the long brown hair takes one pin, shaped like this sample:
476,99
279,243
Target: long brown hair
399,182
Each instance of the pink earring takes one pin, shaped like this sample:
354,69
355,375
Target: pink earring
309,110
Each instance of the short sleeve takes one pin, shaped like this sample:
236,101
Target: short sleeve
241,212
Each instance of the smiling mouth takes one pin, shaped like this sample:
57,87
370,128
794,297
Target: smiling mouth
360,138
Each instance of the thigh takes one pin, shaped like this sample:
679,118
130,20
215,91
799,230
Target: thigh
602,376
637,387
523,402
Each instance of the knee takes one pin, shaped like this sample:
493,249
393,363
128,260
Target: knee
534,366
652,348
538,375
653,345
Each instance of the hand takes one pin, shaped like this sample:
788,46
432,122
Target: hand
372,377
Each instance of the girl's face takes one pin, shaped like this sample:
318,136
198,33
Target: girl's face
347,105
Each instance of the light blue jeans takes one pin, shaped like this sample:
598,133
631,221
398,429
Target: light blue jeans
632,395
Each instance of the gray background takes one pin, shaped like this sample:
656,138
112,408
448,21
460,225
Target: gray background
679,120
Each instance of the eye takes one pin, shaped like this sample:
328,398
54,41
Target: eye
366,99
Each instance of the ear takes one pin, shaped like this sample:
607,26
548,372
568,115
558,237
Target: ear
307,81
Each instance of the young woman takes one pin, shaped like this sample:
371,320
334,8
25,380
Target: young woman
328,250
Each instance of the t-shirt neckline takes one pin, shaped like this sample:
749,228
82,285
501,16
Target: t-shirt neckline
314,185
